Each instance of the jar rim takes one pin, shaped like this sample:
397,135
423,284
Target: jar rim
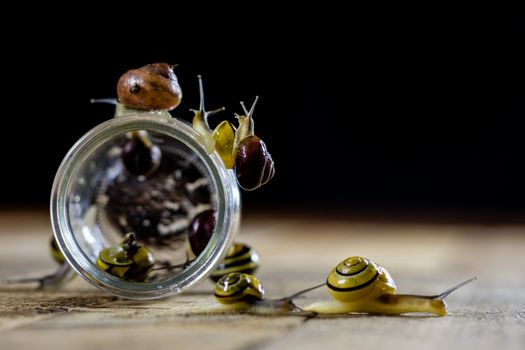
227,199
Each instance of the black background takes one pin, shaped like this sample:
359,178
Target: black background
379,112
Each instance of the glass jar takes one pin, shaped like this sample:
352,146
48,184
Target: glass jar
94,202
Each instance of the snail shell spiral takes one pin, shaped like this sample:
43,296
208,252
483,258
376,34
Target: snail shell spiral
238,287
128,260
356,277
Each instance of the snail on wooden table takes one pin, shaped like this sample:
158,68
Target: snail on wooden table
359,285
242,292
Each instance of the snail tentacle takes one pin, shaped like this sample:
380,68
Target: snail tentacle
200,121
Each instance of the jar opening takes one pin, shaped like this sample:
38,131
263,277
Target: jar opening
179,202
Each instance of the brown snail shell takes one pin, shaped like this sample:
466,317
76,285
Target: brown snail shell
154,86
253,163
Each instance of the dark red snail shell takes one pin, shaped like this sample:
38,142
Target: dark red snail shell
154,86
253,163
201,230
140,157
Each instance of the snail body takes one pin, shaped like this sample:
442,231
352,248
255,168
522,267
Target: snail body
128,260
240,258
200,121
242,292
151,87
361,286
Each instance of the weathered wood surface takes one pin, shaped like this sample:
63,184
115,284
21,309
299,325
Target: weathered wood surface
489,314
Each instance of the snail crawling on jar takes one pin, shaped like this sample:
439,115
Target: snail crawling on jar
359,285
240,292
200,121
127,260
254,165
151,87
239,147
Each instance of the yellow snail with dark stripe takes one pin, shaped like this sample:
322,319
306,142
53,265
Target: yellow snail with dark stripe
240,258
359,285
244,293
128,260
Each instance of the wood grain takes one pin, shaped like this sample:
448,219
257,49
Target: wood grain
422,258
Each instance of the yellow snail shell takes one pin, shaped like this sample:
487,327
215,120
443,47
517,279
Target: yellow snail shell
359,285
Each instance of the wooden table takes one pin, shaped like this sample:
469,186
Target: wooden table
296,253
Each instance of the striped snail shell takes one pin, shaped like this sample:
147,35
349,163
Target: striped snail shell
128,260
360,285
237,288
238,291
356,277
240,258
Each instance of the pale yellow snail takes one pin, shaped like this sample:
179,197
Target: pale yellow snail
241,292
200,121
359,285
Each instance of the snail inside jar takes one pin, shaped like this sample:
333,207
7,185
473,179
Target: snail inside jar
145,175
